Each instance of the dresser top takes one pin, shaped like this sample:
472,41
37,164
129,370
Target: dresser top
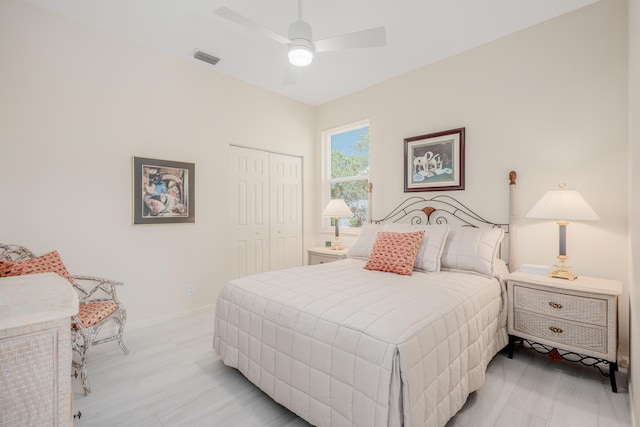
35,298
582,283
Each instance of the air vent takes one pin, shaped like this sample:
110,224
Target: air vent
206,57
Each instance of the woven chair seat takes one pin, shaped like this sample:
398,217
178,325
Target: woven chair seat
95,312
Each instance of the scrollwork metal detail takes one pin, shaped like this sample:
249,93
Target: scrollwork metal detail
441,209
569,356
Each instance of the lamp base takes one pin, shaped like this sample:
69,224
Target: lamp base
335,245
563,274
563,271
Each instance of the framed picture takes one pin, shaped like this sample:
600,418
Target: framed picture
163,191
434,162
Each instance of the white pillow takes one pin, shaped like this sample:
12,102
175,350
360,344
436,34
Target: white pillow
472,249
431,247
363,246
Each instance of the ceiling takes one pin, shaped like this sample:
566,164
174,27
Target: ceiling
418,32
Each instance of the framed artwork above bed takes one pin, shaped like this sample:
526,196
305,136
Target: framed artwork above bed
434,162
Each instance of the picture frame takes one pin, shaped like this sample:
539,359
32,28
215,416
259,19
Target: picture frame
434,162
163,191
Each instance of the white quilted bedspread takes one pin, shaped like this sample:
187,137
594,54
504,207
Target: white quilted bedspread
343,346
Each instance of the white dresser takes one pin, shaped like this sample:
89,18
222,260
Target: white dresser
578,316
35,350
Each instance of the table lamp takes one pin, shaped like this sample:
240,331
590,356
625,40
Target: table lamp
563,205
337,209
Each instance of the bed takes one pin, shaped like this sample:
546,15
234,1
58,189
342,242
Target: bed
344,345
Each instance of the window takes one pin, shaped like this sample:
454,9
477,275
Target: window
347,174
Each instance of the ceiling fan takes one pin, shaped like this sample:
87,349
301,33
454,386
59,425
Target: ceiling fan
300,42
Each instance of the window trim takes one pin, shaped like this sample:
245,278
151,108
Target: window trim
326,171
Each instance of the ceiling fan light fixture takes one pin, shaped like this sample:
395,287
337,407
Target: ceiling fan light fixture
300,53
300,44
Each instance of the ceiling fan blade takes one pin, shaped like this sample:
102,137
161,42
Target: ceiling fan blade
233,16
292,75
372,37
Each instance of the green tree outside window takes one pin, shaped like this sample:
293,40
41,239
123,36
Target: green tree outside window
350,173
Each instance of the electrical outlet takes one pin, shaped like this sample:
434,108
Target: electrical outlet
191,290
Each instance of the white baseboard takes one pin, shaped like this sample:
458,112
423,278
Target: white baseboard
161,319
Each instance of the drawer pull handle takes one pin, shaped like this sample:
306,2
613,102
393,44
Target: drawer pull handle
555,330
555,305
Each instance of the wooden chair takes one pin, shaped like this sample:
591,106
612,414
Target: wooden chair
99,305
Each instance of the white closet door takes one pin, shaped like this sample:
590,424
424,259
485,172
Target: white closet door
250,210
266,210
285,212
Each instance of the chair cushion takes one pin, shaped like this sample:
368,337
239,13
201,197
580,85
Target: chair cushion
92,313
46,263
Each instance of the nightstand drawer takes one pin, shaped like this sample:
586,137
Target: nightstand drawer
561,332
320,259
323,255
562,305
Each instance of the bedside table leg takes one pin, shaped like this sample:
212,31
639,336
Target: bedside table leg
511,344
613,367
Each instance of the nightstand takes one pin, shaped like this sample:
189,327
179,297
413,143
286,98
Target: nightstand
321,255
574,320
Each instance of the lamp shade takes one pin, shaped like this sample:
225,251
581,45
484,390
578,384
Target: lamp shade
562,204
337,208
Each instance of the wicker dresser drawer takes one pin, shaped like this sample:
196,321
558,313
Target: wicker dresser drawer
561,332
562,305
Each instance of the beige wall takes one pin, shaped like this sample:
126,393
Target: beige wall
76,104
634,196
549,102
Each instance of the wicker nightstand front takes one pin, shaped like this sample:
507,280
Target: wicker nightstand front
321,255
580,317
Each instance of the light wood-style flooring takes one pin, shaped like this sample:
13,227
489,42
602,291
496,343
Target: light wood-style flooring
172,377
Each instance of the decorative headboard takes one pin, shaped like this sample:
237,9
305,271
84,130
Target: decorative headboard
444,209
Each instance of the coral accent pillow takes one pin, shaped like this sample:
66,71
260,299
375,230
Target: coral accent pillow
428,258
395,252
46,263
